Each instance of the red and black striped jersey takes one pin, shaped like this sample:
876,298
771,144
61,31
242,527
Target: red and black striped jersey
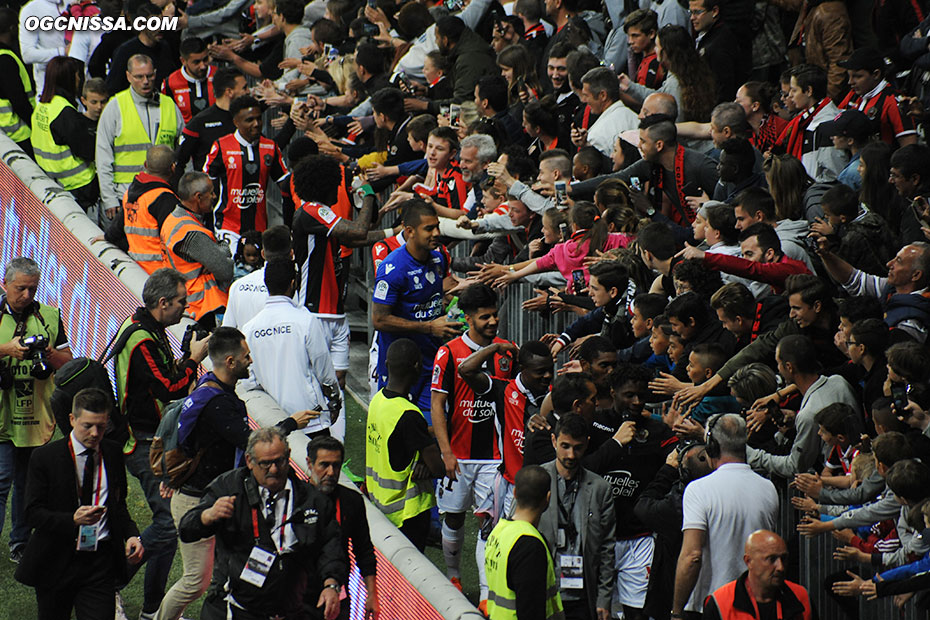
515,406
650,72
881,107
451,188
381,249
192,96
471,418
322,284
241,172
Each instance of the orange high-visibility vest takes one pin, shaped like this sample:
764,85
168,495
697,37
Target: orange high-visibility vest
141,230
203,293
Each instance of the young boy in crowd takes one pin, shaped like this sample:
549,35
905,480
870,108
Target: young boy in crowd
646,307
703,363
859,236
838,428
659,343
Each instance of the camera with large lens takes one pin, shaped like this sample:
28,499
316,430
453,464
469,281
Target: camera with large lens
36,347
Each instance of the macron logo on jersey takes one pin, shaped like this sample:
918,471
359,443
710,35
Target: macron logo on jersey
388,269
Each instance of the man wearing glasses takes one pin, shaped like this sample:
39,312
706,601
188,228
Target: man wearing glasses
134,120
220,436
277,539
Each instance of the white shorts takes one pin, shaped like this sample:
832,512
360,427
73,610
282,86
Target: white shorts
633,561
373,367
502,499
473,487
337,338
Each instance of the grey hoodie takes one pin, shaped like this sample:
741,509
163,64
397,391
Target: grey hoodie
791,233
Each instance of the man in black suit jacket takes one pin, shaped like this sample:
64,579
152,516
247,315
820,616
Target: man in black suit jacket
325,456
76,494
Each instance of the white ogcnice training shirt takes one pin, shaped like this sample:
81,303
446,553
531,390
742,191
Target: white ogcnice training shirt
291,360
247,297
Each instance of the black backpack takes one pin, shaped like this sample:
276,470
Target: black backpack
87,372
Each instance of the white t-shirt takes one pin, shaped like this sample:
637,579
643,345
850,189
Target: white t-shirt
728,505
247,297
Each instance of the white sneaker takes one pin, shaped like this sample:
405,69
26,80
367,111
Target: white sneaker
148,616
120,614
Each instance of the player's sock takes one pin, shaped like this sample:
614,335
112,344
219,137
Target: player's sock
338,429
479,559
452,541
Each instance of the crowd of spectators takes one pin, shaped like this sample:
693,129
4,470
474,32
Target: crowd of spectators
729,199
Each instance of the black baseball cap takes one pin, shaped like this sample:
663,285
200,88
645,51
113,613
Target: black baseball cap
852,124
867,58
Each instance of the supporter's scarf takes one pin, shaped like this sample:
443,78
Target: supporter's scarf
792,138
685,215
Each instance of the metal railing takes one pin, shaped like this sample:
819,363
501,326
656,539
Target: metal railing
816,564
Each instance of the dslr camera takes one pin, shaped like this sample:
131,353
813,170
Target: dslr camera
36,347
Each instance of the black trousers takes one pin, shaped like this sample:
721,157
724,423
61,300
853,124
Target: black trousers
577,610
88,586
416,529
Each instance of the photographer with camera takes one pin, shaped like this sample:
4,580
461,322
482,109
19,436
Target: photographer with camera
34,347
147,378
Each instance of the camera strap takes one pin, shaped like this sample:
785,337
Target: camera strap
33,310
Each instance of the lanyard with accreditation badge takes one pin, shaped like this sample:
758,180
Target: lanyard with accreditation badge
260,561
87,534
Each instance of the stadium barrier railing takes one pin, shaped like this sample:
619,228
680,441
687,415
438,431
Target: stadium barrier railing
97,286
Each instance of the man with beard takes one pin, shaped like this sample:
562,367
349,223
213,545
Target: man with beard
217,428
578,525
191,86
325,456
407,298
629,461
515,402
465,428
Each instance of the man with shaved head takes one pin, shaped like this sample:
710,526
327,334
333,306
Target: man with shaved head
762,591
146,203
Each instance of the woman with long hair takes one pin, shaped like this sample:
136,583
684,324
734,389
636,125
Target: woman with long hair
588,236
518,69
689,78
541,123
788,182
877,193
63,144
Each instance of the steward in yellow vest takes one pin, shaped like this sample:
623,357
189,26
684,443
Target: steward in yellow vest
521,579
61,137
133,120
191,248
401,458
17,98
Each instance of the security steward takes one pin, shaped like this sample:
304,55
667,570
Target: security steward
762,591
516,558
33,345
401,456
148,201
63,146
17,96
147,378
133,120
277,539
325,456
191,249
